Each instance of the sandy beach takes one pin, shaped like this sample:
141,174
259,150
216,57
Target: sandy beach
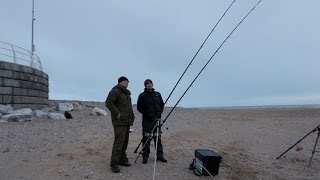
248,139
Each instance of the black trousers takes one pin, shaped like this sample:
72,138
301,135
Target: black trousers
146,132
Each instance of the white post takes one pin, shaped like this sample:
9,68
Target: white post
32,32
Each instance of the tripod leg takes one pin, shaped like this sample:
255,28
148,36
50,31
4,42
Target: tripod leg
314,148
155,154
135,161
136,150
298,141
144,145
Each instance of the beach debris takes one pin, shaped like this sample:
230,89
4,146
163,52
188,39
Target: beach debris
88,105
26,112
40,113
5,109
77,106
56,116
53,111
67,115
98,112
15,117
62,107
6,150
299,148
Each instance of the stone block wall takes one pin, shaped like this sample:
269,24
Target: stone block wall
22,86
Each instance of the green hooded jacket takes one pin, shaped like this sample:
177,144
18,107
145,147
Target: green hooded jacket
119,101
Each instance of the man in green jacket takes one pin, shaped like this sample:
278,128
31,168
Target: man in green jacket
119,104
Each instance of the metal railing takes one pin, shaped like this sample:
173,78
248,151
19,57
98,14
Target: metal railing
19,55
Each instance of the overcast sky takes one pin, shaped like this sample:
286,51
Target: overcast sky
273,58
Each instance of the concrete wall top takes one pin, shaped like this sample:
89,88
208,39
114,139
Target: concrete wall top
23,86
22,68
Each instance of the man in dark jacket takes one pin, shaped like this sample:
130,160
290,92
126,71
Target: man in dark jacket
150,105
119,104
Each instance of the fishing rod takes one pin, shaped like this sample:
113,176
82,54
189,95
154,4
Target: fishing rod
210,60
225,12
150,138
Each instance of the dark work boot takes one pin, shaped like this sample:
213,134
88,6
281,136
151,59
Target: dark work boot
162,159
145,160
125,164
115,168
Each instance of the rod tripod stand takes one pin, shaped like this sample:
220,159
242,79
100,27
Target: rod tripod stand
150,136
314,148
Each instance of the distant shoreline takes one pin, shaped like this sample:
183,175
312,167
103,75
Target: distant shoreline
266,107
221,107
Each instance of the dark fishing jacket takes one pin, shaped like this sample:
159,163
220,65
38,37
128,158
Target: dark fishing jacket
150,105
119,101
